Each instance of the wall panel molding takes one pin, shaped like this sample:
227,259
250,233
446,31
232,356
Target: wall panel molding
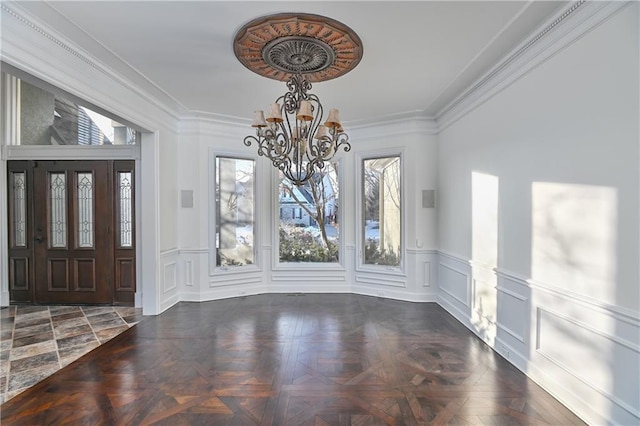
590,378
379,280
620,313
448,291
169,277
426,273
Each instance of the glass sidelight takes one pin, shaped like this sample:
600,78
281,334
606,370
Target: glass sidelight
125,205
58,210
84,210
19,209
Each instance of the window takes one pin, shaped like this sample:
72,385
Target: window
308,226
50,119
382,209
235,205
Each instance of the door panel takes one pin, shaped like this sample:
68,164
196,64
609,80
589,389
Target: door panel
72,238
71,251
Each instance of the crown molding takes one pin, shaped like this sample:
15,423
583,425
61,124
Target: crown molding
555,34
209,117
391,118
393,128
204,123
396,124
160,100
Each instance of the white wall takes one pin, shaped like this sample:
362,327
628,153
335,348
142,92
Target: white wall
541,182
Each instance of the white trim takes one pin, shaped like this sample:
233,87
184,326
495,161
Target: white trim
234,281
392,125
632,410
421,251
468,284
170,252
148,229
5,297
368,279
302,278
194,251
453,256
426,273
608,336
222,271
188,273
71,152
623,314
173,275
393,293
511,293
558,389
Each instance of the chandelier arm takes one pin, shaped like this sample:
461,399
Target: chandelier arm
342,140
318,112
291,143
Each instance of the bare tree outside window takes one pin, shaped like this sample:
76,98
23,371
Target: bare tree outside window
234,211
309,230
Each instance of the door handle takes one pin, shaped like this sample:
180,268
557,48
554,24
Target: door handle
39,239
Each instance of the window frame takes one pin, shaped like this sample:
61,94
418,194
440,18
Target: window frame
212,217
361,157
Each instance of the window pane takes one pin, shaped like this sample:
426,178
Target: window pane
85,209
234,211
125,204
20,209
382,211
48,119
308,230
58,209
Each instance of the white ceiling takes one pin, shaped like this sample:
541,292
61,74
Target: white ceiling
418,55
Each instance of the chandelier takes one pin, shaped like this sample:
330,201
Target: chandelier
299,49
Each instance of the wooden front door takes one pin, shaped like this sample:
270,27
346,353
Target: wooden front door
72,235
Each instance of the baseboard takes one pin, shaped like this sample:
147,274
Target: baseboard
4,298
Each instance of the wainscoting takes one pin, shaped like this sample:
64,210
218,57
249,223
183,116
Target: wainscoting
585,353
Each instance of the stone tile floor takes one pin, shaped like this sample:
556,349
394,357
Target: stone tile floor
37,341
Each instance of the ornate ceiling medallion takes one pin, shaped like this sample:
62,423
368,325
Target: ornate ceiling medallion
282,45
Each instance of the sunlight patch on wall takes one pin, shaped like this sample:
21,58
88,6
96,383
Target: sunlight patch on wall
484,251
574,238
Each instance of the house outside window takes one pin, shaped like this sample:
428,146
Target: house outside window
235,206
382,208
308,223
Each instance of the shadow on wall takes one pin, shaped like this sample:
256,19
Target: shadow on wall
572,314
484,254
574,243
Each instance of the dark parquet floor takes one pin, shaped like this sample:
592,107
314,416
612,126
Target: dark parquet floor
291,360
